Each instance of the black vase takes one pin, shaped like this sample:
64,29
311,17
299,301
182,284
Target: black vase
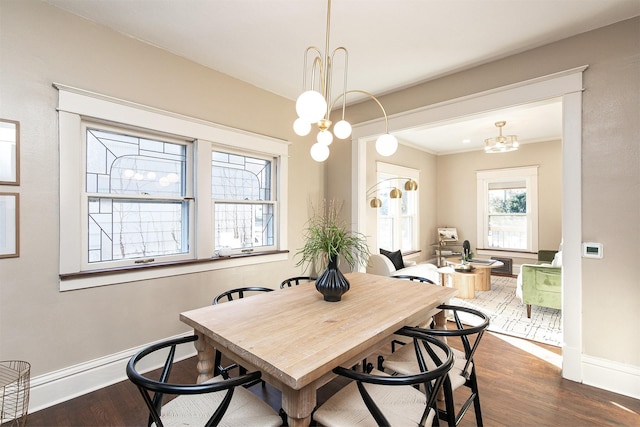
331,283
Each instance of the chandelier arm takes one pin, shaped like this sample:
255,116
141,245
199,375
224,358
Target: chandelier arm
344,83
317,61
370,95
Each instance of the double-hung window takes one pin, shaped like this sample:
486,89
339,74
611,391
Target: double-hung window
398,218
244,204
508,209
138,197
146,193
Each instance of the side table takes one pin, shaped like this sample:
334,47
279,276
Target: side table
14,392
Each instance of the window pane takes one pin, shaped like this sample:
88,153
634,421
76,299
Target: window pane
243,225
407,233
507,218
508,201
235,177
127,229
508,231
385,232
124,164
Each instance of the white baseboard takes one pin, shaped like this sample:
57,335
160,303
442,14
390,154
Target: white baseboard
65,384
612,376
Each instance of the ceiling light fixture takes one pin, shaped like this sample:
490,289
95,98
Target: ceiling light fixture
394,192
500,143
315,104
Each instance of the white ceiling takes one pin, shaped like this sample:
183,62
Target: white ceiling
392,44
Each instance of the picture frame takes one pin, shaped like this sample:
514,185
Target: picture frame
9,152
447,234
9,225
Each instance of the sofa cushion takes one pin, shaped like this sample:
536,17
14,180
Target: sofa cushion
395,257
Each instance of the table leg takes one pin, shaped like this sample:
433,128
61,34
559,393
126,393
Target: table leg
298,404
484,284
205,358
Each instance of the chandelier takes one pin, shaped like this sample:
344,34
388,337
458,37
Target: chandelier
394,193
500,143
315,103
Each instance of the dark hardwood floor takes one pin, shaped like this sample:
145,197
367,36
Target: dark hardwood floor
517,388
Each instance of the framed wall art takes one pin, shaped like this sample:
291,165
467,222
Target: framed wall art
9,225
9,152
447,234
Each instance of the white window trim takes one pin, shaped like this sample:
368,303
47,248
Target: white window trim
529,174
403,172
74,105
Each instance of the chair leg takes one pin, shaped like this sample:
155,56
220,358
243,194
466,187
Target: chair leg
476,402
217,362
449,414
528,311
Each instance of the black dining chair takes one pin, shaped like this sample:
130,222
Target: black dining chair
414,278
295,281
396,340
226,296
219,400
463,373
376,398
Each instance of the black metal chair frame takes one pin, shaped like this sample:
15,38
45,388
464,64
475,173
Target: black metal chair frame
431,380
218,369
414,278
470,348
162,386
295,281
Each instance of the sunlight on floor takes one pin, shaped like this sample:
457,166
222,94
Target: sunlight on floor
532,348
624,408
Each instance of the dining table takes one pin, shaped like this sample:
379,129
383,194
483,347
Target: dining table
296,339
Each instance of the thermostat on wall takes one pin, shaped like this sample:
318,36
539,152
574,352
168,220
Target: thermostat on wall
592,250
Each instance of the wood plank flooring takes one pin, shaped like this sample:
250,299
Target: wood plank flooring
517,388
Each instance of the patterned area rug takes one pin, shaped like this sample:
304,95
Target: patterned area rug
509,316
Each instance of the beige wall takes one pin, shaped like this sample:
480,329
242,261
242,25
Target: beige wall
457,189
610,164
40,45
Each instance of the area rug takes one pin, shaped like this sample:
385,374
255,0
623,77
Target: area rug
509,316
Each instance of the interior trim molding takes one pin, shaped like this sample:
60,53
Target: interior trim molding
612,376
566,84
73,381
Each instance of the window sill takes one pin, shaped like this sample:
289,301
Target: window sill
105,277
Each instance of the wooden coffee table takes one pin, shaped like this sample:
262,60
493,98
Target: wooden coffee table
482,268
466,283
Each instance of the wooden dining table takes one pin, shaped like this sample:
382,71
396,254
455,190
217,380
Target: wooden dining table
296,339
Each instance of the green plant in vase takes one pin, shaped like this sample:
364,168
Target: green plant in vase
327,239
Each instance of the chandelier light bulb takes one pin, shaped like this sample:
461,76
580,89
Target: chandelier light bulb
319,152
301,127
386,144
342,129
311,106
324,137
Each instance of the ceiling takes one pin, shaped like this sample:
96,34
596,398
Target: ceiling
392,44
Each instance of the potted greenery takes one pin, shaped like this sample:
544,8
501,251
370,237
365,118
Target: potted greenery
326,240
